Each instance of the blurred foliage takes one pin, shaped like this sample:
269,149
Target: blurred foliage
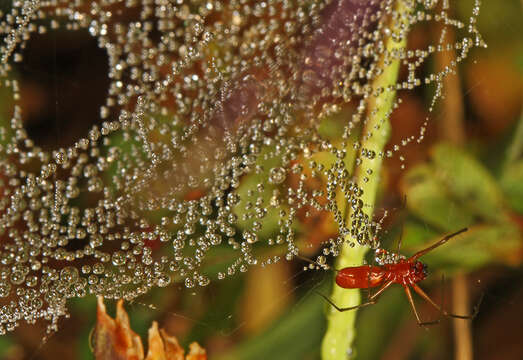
296,335
455,191
511,182
447,189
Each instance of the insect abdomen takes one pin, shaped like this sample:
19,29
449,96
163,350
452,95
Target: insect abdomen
359,277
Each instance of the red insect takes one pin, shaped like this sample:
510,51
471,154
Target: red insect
404,271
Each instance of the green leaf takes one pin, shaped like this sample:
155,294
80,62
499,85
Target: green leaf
427,198
479,246
469,182
512,185
297,335
416,235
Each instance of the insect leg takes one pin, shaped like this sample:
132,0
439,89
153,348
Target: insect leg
371,300
439,243
444,312
413,306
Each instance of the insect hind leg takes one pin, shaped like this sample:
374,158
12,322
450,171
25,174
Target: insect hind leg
424,295
342,309
413,306
371,300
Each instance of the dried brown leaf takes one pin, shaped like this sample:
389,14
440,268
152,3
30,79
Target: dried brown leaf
115,340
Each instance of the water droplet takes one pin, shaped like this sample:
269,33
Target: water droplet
277,175
164,280
189,283
69,274
5,288
118,258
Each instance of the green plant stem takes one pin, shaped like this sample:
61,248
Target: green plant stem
340,333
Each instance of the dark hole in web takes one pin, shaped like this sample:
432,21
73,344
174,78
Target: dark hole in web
63,83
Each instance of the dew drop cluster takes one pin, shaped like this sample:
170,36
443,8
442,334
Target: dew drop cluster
209,141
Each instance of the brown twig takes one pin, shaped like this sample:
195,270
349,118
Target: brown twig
462,329
452,129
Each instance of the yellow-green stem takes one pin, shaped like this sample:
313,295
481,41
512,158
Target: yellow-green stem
337,342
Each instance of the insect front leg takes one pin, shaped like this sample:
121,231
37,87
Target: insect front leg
439,243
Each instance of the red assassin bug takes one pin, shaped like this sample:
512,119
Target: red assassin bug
406,272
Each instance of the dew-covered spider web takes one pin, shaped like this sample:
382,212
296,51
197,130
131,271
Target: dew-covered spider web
209,140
